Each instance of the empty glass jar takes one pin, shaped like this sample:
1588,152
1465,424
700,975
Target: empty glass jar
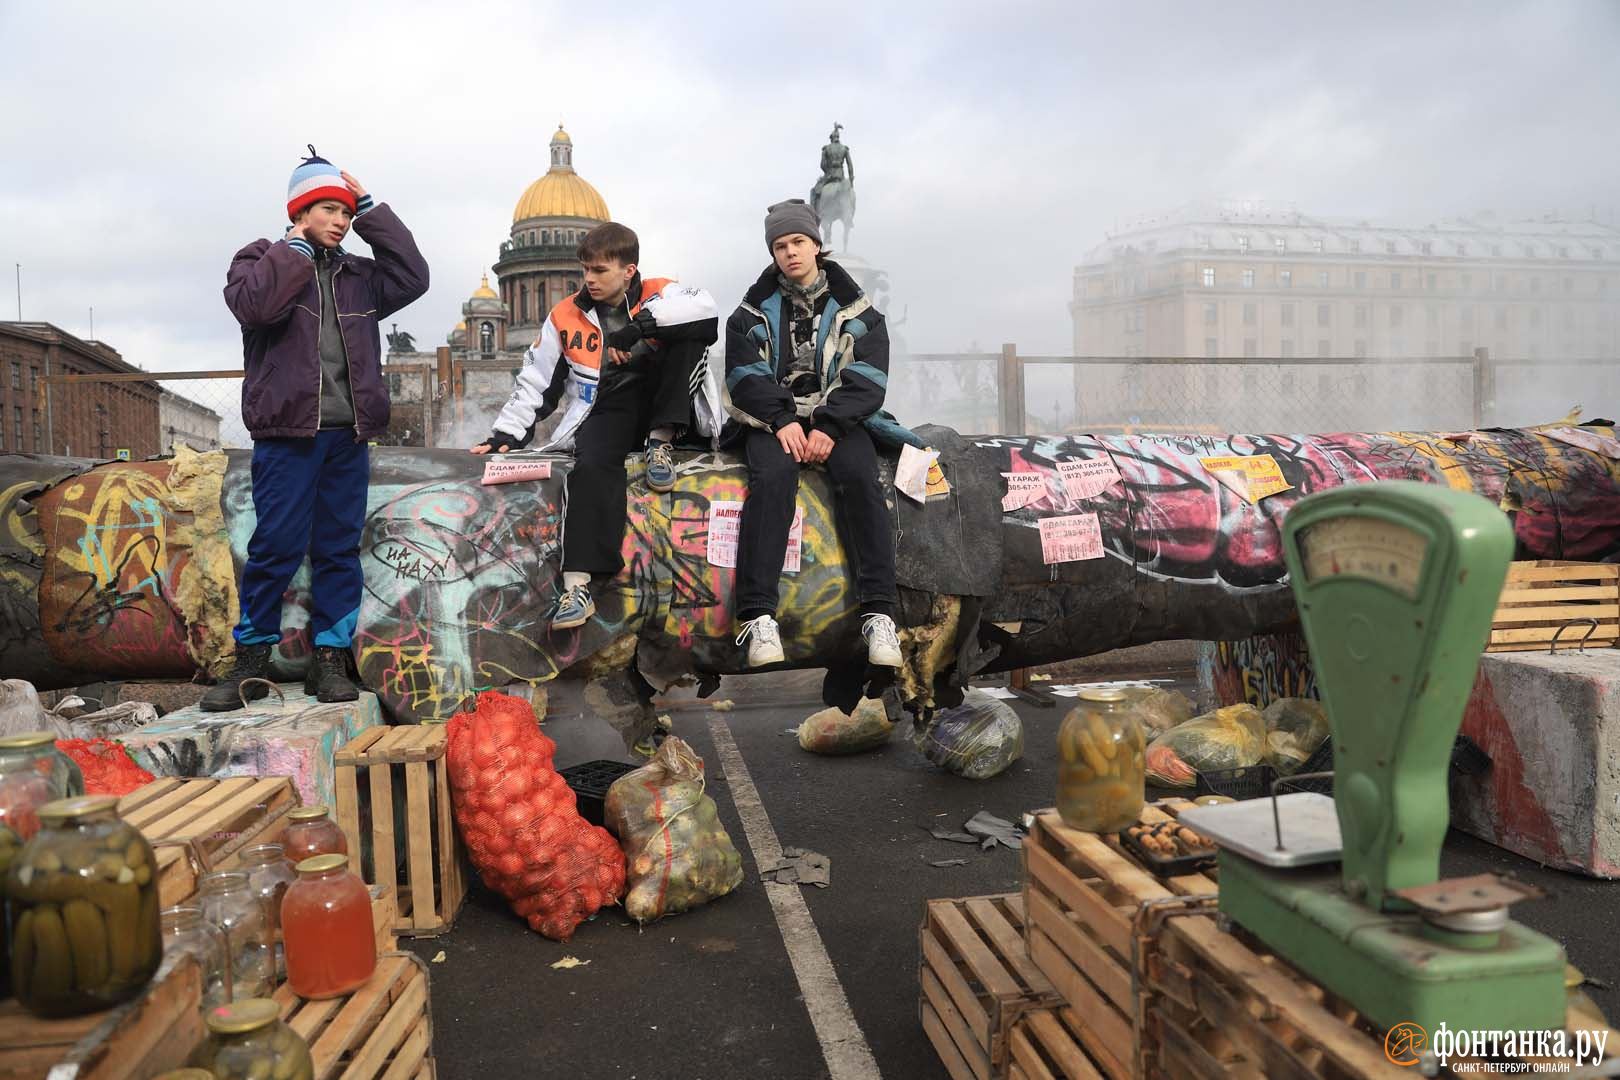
326,923
310,832
229,902
269,875
1101,780
248,1040
33,772
84,907
185,930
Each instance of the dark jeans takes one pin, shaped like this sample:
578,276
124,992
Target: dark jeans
864,525
632,399
309,496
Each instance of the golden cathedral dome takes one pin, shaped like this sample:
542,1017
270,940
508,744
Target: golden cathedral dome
561,192
484,292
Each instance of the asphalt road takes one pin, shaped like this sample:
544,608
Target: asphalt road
712,993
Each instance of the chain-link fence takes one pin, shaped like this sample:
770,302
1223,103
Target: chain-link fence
144,414
1006,392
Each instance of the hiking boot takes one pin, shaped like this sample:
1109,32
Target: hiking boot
252,662
575,608
764,640
660,465
882,642
328,678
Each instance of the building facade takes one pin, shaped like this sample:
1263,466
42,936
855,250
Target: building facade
537,266
1234,280
183,422
85,419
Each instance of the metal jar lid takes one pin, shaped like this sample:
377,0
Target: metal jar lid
307,813
320,864
1104,695
249,1014
28,740
59,810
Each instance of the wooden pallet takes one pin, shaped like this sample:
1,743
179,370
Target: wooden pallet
976,980
199,825
432,883
152,1034
1548,599
1083,895
384,1029
1046,1045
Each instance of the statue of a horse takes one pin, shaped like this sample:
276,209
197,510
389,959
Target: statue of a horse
834,201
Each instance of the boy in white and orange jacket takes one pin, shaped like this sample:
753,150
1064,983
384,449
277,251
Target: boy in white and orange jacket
653,333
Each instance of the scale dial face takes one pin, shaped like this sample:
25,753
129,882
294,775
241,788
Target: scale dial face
1368,548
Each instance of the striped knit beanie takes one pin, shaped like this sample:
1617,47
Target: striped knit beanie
314,180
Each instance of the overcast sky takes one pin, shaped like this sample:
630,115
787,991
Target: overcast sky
994,143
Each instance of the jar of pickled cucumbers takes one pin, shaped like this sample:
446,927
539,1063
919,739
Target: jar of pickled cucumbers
248,1040
1101,780
84,910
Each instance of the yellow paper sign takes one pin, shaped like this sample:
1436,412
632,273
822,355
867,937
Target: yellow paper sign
1249,477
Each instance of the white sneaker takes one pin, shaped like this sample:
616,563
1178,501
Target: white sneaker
764,641
882,642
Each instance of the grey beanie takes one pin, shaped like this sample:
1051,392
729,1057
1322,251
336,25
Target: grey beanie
789,217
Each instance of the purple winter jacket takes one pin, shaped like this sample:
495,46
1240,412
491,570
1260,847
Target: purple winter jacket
272,290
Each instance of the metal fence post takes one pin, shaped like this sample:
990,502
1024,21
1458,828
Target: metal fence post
1010,391
1484,388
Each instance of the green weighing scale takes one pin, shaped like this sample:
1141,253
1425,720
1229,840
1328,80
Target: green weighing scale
1396,584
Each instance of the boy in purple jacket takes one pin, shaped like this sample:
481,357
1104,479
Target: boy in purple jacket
312,396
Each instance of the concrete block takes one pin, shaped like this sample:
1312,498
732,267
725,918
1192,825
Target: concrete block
1551,724
297,739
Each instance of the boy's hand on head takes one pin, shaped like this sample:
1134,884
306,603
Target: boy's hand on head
354,185
295,231
818,447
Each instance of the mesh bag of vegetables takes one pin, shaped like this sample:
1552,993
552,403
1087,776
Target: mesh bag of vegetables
678,853
976,739
107,767
1224,739
518,819
1295,729
834,731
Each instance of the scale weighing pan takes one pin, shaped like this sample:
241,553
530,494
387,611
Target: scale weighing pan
1297,829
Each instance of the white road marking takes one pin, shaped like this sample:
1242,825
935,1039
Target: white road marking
842,1045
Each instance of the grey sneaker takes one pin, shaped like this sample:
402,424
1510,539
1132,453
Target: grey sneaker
575,608
764,640
882,641
660,465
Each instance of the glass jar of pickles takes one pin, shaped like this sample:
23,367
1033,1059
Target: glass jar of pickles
310,832
268,876
249,1041
326,923
229,902
84,906
1101,780
185,930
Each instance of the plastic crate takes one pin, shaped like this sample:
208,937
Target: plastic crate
1467,759
590,781
1245,782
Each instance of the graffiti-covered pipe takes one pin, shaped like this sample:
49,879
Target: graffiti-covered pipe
127,570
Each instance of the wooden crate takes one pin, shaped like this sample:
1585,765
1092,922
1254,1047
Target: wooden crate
1541,600
1046,1045
195,826
432,883
1084,896
383,1029
144,1037
976,980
